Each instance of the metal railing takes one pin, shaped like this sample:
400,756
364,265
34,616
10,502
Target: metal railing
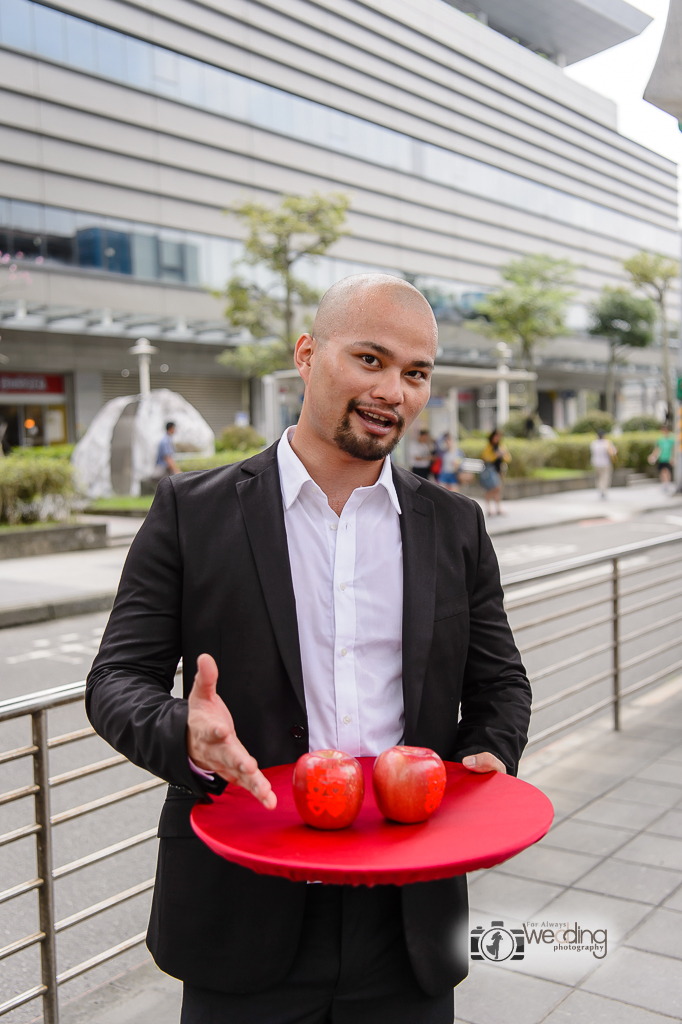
36,706
608,584
606,602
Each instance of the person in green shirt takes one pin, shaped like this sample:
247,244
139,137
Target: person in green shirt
663,455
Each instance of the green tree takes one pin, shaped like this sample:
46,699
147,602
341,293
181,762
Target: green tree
530,309
277,238
654,274
626,322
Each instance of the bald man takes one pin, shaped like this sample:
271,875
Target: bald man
325,599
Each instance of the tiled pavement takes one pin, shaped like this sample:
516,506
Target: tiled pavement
612,860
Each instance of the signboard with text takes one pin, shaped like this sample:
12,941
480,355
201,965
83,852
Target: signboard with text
31,383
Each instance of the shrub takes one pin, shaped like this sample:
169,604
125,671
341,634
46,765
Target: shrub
565,452
526,455
517,425
35,489
219,459
48,451
593,422
640,423
238,439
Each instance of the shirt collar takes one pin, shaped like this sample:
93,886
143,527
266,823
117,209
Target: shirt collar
293,474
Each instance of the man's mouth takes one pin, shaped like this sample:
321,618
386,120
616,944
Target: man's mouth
377,423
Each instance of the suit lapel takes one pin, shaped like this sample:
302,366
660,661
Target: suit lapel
418,530
260,497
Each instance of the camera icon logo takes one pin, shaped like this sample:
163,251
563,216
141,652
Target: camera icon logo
497,943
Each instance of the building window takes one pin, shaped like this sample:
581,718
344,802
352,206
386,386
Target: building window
81,44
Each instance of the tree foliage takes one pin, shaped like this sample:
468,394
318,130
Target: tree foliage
531,308
301,226
625,321
654,274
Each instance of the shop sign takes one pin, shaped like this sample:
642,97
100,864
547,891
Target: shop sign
31,383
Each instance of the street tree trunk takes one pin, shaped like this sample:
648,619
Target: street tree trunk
666,357
611,381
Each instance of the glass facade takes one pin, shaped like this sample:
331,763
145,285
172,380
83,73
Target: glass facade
47,234
31,234
81,44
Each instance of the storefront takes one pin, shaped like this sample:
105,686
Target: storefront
33,409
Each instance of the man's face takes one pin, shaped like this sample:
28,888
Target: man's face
366,385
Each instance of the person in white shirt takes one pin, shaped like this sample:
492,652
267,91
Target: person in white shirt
329,599
602,454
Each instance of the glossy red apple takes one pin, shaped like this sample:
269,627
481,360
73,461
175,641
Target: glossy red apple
329,788
409,783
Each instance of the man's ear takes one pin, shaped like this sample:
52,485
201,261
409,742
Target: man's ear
303,354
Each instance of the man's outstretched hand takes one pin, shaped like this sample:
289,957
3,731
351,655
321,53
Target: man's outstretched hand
212,742
483,763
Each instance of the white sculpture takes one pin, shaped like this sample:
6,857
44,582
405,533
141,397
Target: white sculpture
148,415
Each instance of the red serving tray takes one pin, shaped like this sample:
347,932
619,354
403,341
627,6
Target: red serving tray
483,820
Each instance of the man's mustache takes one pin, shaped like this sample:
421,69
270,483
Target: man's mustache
380,410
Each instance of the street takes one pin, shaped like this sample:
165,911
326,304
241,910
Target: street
48,654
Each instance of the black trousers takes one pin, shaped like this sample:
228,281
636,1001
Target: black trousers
351,967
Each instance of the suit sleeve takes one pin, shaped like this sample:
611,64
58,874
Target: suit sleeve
496,693
128,694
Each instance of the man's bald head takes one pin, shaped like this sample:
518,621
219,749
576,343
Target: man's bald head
357,301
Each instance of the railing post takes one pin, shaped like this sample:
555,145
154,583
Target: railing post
48,952
616,647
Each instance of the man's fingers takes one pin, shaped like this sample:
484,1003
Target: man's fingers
206,679
484,763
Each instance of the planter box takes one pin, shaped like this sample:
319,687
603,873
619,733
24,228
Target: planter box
50,540
529,488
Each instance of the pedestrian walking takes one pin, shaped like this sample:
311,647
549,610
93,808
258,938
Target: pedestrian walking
421,455
326,599
662,457
451,460
165,454
602,453
496,458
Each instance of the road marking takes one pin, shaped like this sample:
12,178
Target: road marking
532,552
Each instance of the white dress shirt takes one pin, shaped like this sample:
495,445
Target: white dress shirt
347,573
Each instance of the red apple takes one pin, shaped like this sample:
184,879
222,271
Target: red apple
329,788
409,783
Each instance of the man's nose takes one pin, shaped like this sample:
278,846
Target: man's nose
389,388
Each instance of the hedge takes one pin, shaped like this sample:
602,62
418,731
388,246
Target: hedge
572,451
48,451
35,489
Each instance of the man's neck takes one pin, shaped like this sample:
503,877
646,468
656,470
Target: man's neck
335,472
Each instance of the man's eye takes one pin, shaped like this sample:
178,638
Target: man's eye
370,360
416,374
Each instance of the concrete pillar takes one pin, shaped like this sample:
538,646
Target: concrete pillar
571,411
453,411
270,409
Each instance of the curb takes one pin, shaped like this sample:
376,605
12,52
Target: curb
43,611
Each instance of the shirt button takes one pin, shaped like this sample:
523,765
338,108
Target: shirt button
342,586
347,719
344,652
333,526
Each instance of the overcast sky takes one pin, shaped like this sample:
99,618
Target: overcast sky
622,73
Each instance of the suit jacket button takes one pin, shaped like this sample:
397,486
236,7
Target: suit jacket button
298,732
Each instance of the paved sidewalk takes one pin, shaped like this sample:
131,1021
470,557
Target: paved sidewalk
78,575
574,506
612,860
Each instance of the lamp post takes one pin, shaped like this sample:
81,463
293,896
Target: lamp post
144,351
503,354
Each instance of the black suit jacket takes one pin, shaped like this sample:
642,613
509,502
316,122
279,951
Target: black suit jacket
209,571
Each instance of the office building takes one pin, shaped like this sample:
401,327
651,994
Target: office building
127,128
